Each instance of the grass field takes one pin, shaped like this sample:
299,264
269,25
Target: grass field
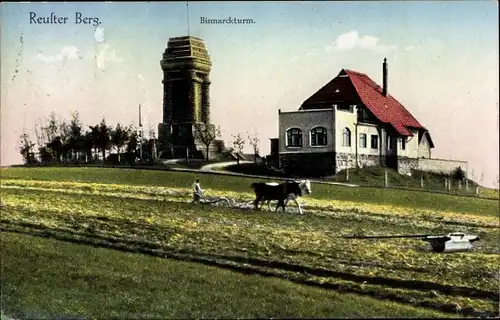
374,177
376,196
104,283
146,211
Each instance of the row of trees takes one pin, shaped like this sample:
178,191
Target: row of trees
71,142
63,142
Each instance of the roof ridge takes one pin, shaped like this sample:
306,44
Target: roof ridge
356,72
371,101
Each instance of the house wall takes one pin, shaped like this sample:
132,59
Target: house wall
314,160
345,119
366,157
305,121
334,157
369,130
334,121
412,146
424,149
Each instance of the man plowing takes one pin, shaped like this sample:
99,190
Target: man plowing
197,191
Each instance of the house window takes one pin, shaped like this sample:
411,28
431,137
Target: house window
392,143
362,140
346,137
374,141
294,137
403,143
318,136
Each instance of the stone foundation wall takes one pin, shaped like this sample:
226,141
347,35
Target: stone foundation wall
440,165
406,165
330,163
308,164
367,160
344,160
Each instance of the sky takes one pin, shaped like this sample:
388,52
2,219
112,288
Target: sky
442,57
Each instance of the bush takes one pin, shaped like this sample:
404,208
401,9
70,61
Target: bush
125,158
458,174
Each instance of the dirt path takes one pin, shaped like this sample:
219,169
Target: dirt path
215,166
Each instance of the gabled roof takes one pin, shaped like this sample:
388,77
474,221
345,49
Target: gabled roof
385,108
339,87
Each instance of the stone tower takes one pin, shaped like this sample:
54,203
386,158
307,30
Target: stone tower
186,68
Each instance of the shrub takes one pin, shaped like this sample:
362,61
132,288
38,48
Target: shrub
458,174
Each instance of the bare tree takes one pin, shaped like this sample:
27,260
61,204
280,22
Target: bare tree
53,127
26,148
238,144
39,133
46,132
254,142
206,134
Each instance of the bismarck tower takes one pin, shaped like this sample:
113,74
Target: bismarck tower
186,69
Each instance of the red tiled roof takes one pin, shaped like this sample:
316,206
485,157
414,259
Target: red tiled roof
386,108
328,93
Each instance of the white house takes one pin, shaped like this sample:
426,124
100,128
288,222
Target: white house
351,120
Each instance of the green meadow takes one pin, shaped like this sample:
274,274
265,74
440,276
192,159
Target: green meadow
120,243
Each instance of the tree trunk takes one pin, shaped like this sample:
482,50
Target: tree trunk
208,147
103,155
118,150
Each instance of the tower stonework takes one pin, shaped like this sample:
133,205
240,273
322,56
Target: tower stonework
186,69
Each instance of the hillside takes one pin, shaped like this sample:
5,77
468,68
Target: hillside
375,177
147,212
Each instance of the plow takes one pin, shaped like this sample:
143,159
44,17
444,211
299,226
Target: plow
218,200
231,203
452,242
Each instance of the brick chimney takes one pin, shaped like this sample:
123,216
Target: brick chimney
384,77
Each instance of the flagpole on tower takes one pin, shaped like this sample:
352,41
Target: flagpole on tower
187,13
